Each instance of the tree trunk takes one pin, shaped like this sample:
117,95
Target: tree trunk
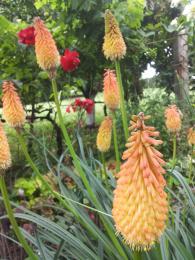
137,86
181,86
32,119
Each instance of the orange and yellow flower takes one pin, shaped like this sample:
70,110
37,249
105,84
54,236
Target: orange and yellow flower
111,90
140,206
47,54
114,46
104,135
191,136
173,118
13,110
5,156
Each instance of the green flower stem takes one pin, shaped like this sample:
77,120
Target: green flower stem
191,164
37,172
82,173
55,194
69,143
174,159
70,208
137,255
116,143
12,219
174,149
122,101
104,175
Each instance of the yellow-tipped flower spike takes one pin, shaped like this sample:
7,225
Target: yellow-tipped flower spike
140,205
104,135
114,46
5,156
47,54
13,110
111,91
191,136
173,118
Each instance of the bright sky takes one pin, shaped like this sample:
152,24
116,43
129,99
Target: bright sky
150,72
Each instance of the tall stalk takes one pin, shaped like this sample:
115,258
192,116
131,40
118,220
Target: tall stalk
36,170
122,101
174,149
116,143
137,255
78,167
104,170
54,193
191,164
13,222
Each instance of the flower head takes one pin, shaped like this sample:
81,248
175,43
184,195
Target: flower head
140,206
111,91
173,118
47,54
88,105
13,110
191,136
104,135
114,46
5,156
79,104
27,36
68,109
70,60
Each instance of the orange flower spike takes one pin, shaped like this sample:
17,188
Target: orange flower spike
191,136
5,156
114,46
104,135
173,118
46,51
111,91
140,206
13,110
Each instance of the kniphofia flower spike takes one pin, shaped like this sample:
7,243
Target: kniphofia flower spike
140,204
111,90
13,110
5,156
46,51
173,118
114,46
104,135
191,136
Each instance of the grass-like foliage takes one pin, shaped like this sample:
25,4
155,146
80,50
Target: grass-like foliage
81,233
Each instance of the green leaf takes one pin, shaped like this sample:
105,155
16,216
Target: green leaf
178,246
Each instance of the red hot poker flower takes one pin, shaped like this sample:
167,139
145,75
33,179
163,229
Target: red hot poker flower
70,60
27,36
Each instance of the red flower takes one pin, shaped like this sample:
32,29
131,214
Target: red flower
88,105
78,102
68,109
70,60
27,36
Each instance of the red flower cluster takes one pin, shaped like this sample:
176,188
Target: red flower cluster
70,60
86,104
27,36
